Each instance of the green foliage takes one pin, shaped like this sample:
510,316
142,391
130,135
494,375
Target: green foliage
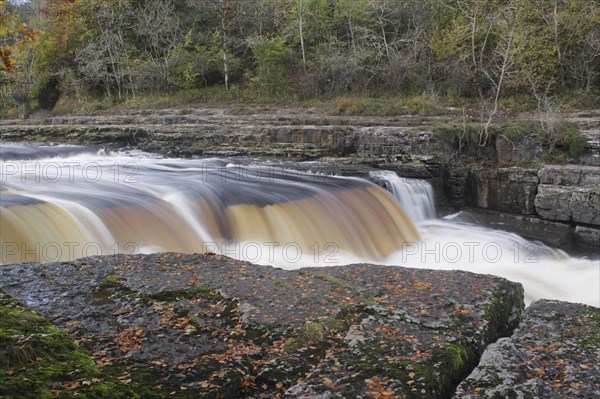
273,59
561,139
196,64
48,91
122,50
15,35
516,131
572,141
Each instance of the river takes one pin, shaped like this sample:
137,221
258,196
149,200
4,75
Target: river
60,203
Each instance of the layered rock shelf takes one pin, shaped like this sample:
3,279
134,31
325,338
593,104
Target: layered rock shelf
171,325
568,194
206,326
553,354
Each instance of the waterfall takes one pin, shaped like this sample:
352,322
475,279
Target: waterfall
79,203
416,196
63,208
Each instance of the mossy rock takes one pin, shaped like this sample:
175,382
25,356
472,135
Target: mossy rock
206,326
39,360
553,354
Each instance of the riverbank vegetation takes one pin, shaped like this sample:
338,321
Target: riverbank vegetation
350,57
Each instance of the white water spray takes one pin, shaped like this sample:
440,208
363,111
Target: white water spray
415,195
450,245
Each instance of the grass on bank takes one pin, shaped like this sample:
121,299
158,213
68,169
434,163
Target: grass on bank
561,139
424,104
514,122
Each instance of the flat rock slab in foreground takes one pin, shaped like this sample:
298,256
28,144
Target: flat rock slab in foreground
553,354
171,325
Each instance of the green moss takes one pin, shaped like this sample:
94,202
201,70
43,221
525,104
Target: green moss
504,311
39,360
439,375
281,283
111,281
333,280
457,360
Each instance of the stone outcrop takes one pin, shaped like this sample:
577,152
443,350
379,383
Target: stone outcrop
219,132
505,189
553,354
570,175
454,184
528,149
568,204
570,194
393,142
588,236
173,325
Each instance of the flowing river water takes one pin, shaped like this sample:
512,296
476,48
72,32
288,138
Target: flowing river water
61,203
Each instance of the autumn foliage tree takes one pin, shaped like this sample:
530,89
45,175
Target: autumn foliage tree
482,49
16,60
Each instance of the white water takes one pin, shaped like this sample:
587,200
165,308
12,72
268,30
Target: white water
415,196
155,205
447,245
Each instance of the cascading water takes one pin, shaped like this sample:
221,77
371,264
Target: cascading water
81,204
448,244
416,196
88,204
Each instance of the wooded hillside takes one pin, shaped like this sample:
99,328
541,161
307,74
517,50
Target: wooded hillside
483,50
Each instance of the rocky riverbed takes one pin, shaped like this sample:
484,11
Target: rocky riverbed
206,326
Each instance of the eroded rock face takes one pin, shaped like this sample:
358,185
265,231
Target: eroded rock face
553,354
454,183
570,175
209,326
569,194
220,132
527,149
568,204
504,189
588,236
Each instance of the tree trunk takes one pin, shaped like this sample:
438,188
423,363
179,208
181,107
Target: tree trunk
225,59
300,27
